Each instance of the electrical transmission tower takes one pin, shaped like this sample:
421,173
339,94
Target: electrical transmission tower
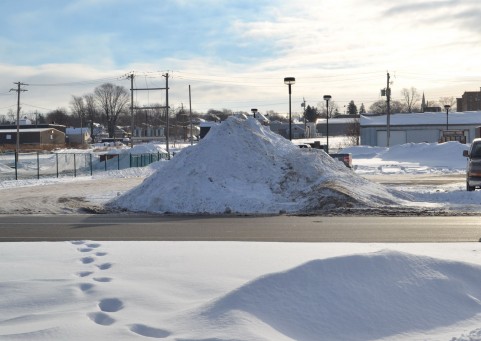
166,107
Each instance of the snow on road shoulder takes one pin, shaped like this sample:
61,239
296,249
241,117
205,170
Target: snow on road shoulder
243,167
409,158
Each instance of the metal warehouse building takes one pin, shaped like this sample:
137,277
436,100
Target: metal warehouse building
418,127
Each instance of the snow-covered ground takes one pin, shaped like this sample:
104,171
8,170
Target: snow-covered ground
103,290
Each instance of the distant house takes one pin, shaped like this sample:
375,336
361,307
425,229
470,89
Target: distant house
78,135
469,101
419,127
33,136
281,128
338,126
432,109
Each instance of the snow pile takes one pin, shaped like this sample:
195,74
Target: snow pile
366,296
243,167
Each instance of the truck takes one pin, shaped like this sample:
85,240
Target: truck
473,168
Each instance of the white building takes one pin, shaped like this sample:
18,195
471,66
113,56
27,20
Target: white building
418,127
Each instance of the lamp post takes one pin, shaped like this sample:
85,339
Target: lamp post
254,112
289,81
327,98
447,106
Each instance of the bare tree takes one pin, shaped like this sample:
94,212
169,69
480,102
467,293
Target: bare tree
112,101
91,112
411,97
77,105
333,108
11,115
380,107
353,132
451,101
59,116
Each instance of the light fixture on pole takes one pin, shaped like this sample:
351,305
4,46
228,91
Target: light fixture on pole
447,106
254,112
327,98
289,81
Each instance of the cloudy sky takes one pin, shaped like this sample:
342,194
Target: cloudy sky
235,54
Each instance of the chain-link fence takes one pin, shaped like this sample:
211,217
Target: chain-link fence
38,165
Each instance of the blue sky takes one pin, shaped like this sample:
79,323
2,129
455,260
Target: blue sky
235,54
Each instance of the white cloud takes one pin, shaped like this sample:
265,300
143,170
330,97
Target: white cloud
342,48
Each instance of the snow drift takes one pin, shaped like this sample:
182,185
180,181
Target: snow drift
243,167
367,297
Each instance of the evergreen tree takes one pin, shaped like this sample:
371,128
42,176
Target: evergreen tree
312,114
362,109
351,108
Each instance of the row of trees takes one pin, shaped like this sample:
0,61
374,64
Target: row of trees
321,111
410,102
109,105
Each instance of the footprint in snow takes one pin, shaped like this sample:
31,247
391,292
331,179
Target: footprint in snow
87,260
86,286
84,273
104,266
143,330
111,305
101,319
102,279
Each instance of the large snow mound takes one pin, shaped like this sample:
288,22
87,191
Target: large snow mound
243,167
366,296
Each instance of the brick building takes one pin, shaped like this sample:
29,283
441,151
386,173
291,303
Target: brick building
470,101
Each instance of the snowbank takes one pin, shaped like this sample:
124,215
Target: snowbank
96,290
409,158
242,167
319,299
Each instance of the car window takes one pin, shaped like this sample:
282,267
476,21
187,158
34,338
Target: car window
476,150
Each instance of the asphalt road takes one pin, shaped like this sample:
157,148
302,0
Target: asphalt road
262,229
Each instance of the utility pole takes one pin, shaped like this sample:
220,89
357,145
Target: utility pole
387,92
167,112
190,112
132,126
18,90
303,104
388,99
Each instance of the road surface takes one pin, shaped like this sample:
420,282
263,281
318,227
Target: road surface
225,228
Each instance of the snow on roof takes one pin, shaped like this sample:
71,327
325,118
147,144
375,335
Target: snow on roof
243,167
74,131
337,120
33,130
427,118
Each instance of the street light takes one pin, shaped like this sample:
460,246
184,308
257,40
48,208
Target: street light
447,106
327,98
289,81
254,112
